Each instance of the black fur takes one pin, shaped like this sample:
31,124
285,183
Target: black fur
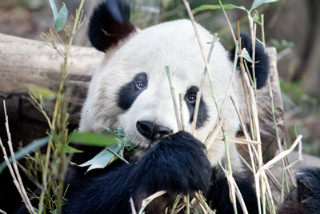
306,198
177,164
109,24
202,113
129,92
218,194
261,60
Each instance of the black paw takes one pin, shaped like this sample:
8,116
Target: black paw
178,164
308,190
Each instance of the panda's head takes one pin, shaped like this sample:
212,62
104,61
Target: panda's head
131,90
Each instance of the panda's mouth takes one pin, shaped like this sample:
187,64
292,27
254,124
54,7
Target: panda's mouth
138,151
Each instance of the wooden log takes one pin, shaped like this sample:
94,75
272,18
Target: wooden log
24,62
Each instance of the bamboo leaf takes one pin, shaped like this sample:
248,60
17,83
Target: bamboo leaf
39,92
91,139
54,9
25,151
245,55
258,3
215,7
103,158
71,150
61,18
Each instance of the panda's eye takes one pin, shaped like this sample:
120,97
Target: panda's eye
140,85
191,98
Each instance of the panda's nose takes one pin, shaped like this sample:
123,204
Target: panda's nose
152,131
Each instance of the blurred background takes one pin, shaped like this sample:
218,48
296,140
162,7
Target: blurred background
292,26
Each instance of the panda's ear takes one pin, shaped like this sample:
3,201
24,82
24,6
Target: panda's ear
109,24
261,60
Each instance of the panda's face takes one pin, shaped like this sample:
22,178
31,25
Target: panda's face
132,90
144,96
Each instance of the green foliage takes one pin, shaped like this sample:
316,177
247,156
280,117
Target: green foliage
52,164
25,151
245,55
255,4
256,17
281,45
40,93
70,150
60,18
92,139
103,158
258,3
114,146
295,92
215,7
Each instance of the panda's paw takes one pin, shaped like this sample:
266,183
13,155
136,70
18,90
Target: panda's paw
178,164
308,190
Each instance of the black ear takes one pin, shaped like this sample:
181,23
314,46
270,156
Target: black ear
110,23
261,60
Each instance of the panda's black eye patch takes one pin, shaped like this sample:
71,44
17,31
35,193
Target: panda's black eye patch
190,97
129,92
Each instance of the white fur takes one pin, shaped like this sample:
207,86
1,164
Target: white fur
172,44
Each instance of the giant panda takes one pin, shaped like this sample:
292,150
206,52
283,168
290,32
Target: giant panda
131,91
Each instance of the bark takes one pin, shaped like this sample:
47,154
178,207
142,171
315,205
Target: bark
24,62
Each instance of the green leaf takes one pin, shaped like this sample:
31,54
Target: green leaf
215,7
71,150
258,3
53,8
61,18
256,18
245,55
91,139
103,158
39,92
26,150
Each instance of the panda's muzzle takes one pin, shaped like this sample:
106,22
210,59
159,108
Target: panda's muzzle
152,131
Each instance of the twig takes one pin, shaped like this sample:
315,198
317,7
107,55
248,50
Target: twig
201,48
239,141
133,209
196,109
14,171
181,112
280,156
175,204
174,100
229,24
147,201
214,133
